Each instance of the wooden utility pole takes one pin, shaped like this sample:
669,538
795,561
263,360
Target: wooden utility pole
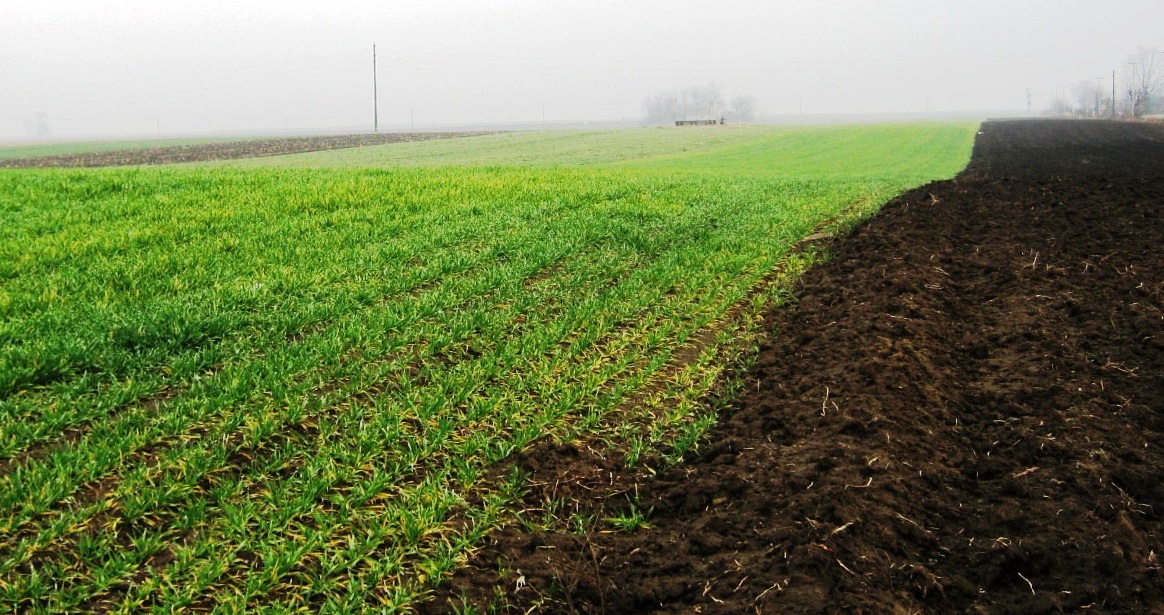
375,94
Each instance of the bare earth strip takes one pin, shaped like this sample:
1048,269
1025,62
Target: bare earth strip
206,152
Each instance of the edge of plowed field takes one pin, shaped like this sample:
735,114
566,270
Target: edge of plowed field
594,481
992,445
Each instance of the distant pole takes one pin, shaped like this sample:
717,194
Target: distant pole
1113,93
1098,89
375,94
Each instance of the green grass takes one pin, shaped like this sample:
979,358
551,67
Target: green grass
284,388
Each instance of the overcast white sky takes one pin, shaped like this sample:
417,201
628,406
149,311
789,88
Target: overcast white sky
170,67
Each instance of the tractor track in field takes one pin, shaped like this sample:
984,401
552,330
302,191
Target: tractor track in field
962,412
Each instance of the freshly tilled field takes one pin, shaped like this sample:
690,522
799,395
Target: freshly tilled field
961,412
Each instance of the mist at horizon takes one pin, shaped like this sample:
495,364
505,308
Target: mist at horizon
132,68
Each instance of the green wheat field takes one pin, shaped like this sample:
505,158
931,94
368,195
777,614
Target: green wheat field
280,384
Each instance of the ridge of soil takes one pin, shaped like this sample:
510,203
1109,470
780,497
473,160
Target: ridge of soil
961,413
205,152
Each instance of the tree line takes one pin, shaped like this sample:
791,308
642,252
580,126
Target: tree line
1140,92
697,102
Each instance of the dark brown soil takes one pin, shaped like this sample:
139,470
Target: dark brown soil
204,152
962,413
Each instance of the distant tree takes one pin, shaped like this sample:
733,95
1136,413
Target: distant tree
663,108
703,102
1060,106
1145,79
38,126
743,108
1088,99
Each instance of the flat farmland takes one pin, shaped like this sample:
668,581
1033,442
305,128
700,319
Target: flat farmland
961,412
298,385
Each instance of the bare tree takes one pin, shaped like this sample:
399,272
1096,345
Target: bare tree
1089,100
704,102
1145,78
663,108
743,108
38,126
1060,106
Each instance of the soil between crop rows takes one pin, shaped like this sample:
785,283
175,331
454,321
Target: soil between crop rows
961,413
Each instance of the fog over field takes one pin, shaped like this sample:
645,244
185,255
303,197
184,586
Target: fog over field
150,68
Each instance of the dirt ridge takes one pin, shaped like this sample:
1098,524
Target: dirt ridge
206,152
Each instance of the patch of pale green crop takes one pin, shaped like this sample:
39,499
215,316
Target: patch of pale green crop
284,389
917,151
914,153
537,148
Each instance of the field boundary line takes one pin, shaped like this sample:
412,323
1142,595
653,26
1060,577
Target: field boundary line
230,150
740,317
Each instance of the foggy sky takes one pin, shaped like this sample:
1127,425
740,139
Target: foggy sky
143,68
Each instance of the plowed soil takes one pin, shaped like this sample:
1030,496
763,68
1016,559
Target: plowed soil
962,413
205,152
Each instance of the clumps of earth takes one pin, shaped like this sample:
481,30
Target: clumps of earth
962,412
